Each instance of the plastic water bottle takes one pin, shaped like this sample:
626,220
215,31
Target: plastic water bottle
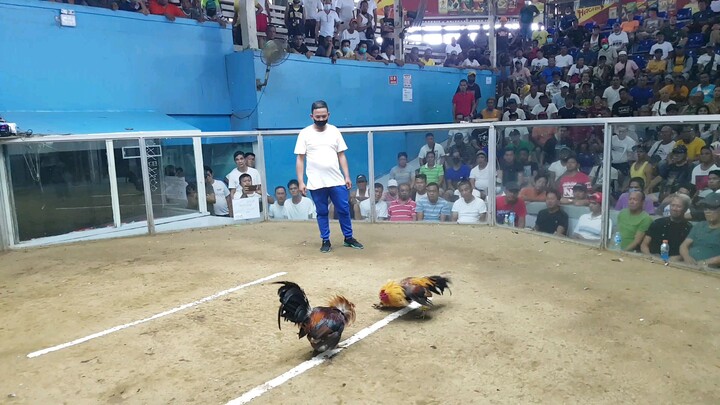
506,221
511,219
618,241
665,252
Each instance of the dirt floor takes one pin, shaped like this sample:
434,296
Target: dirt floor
529,321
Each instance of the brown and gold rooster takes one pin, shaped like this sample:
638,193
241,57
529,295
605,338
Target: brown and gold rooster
323,326
412,289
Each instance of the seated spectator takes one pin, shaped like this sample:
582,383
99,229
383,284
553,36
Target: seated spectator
466,150
596,176
660,106
713,184
362,53
490,112
352,35
433,208
633,222
608,53
130,5
693,144
362,192
544,110
705,88
297,45
702,245
539,63
504,101
362,210
509,170
626,69
585,78
663,148
636,184
678,171
552,219
480,174
708,62
569,111
463,103
299,207
572,177
402,173
414,57
587,54
676,89
532,99
536,191
427,58
221,204
516,143
657,66
555,85
512,109
618,39
277,209
510,203
419,190
563,60
558,167
392,191
548,72
345,51
662,45
641,93
402,209
579,198
679,63
702,170
163,7
674,229
559,99
433,172
577,70
650,26
468,209
520,75
388,54
589,226
456,171
430,145
625,107
530,168
454,60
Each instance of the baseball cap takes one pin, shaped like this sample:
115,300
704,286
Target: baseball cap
361,178
472,73
680,149
712,201
604,41
392,183
481,152
580,186
622,53
597,197
512,187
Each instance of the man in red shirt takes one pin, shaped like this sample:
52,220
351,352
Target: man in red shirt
464,103
162,7
510,202
402,209
572,176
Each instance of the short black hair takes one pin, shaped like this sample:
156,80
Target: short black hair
429,134
237,153
319,105
430,152
638,180
293,181
715,172
380,186
207,169
463,80
552,191
244,175
422,177
280,188
402,154
433,184
249,154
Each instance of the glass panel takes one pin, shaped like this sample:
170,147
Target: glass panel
59,187
129,179
227,158
171,164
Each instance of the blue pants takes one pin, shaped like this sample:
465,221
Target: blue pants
339,196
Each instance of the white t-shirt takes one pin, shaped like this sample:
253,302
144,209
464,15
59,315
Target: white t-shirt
704,59
662,151
277,211
470,63
354,38
550,110
449,48
501,101
475,193
564,61
482,177
221,193
666,47
589,227
327,22
522,60
614,173
301,211
520,113
698,171
439,151
612,96
575,70
381,209
233,177
538,64
321,156
312,8
620,148
557,168
531,101
660,107
347,8
618,40
469,213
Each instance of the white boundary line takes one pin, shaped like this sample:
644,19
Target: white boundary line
156,316
320,358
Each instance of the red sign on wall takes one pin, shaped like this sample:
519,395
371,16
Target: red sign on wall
392,80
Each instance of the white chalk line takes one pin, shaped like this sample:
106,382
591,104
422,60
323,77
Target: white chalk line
156,316
320,358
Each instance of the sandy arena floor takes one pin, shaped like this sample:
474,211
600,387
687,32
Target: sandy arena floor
529,321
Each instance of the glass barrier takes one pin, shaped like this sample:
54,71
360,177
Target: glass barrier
129,181
225,159
59,188
431,176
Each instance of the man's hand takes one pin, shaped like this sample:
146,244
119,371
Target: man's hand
348,183
302,187
169,16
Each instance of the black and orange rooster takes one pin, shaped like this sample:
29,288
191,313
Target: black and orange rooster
412,289
323,326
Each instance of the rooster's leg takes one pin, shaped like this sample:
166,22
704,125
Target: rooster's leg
423,309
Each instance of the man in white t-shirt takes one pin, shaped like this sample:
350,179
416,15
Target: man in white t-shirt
612,93
362,210
453,46
468,209
328,20
545,110
618,39
323,148
277,209
621,145
589,225
663,148
345,10
664,46
480,174
233,178
351,34
564,60
222,207
430,145
706,164
298,207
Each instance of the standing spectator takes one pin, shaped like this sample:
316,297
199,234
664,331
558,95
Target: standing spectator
626,69
577,35
674,229
366,20
552,219
402,209
618,39
468,209
433,208
312,9
566,21
328,22
527,15
589,226
702,245
510,203
222,204
345,10
430,145
502,35
625,107
633,222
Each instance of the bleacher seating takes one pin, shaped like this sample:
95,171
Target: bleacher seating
696,41
644,46
662,14
684,14
640,60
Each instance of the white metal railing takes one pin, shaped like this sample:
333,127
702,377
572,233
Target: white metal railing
9,235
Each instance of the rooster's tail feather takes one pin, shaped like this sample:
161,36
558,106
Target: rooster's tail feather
294,305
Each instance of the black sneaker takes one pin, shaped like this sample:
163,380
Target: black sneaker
326,247
353,243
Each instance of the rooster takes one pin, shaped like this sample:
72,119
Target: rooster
417,289
323,326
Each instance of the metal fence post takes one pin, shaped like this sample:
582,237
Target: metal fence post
492,165
607,180
112,177
371,175
200,175
146,186
265,188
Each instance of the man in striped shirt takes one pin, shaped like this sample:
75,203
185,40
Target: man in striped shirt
402,209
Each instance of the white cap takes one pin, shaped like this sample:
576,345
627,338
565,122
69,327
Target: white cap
392,183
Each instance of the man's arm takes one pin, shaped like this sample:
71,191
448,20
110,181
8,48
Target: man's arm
299,172
521,222
210,198
639,236
645,246
344,167
228,198
454,216
685,251
419,215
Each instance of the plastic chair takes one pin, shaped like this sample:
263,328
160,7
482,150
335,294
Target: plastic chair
644,46
640,61
684,14
696,40
662,14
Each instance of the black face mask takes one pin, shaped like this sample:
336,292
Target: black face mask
320,123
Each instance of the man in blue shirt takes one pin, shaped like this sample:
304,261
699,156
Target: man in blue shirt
433,208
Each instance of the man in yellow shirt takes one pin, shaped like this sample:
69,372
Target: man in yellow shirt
541,36
427,58
693,144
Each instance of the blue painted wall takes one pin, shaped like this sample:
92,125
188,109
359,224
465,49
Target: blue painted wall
112,61
359,94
